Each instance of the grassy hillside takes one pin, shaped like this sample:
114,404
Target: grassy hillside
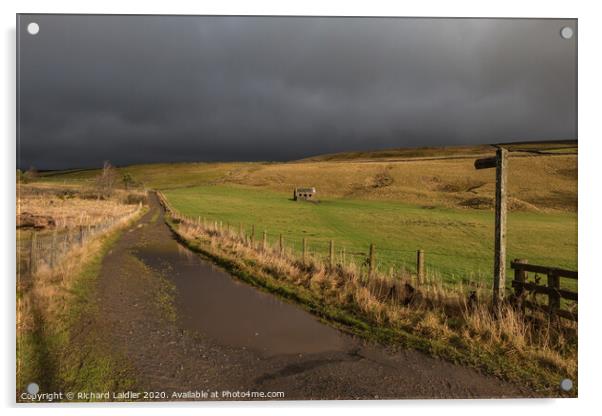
552,147
403,153
536,182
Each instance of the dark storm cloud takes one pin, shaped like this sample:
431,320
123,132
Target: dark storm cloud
149,89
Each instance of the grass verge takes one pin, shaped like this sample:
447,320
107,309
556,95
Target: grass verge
59,343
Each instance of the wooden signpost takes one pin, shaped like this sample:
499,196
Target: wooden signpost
499,162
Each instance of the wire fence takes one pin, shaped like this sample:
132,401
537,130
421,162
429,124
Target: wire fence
367,258
38,249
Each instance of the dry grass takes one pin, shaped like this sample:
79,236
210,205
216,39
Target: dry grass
69,215
48,288
71,206
535,182
458,320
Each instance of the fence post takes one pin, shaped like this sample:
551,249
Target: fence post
32,253
280,245
371,260
343,256
331,256
420,266
264,245
252,238
53,250
304,249
520,276
499,265
553,295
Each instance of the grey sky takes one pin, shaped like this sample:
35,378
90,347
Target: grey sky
134,89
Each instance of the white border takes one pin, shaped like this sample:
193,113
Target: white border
590,128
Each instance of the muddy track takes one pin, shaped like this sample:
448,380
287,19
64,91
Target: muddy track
158,316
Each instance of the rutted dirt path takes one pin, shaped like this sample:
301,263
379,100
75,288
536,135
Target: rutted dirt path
184,325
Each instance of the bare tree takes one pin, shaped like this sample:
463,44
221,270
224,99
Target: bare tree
128,181
105,182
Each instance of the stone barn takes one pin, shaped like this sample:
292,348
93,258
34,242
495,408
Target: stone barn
304,194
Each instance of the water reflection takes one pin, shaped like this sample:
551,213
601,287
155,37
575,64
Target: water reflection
213,303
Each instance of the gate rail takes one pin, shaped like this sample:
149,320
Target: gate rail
552,289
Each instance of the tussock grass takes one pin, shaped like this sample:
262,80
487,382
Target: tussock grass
455,323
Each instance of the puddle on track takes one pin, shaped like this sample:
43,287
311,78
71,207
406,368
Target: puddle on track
233,313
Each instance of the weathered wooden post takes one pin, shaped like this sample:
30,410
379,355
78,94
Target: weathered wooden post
252,237
280,245
53,248
331,256
420,266
264,245
304,249
499,264
500,225
553,294
343,256
371,260
520,276
32,253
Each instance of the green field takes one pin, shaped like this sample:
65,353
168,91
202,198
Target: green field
458,242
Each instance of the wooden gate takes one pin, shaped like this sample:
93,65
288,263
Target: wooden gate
555,294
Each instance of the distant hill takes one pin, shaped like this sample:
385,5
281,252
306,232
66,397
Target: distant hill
444,152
